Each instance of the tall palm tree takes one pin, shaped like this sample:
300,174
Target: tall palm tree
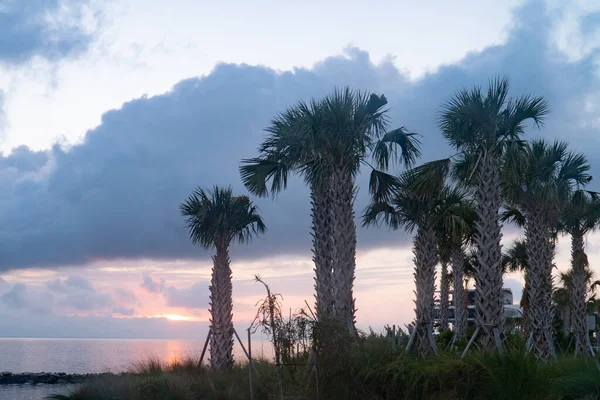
542,178
563,297
479,125
454,240
580,216
428,213
215,219
445,281
326,142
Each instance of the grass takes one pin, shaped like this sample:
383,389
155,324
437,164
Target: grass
368,371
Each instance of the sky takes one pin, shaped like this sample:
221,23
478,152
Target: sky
113,112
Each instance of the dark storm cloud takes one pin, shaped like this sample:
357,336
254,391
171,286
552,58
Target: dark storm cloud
51,29
116,194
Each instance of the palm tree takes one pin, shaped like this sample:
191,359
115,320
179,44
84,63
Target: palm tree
429,214
454,241
580,216
539,181
445,280
326,142
215,219
479,125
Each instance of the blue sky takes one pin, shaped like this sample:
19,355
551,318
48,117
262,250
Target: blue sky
111,112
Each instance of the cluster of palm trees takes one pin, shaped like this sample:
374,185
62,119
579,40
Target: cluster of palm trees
456,207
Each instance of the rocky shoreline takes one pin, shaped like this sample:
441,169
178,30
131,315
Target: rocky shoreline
47,378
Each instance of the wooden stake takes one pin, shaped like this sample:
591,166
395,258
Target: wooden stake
250,365
432,340
498,341
411,340
464,353
205,346
243,348
393,338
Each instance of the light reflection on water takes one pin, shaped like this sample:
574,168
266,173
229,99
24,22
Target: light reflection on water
80,356
28,392
101,355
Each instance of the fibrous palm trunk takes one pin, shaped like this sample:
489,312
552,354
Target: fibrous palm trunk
525,307
425,260
566,319
344,264
540,253
488,279
323,251
221,308
444,294
459,296
579,312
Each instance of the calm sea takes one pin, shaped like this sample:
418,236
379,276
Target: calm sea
88,356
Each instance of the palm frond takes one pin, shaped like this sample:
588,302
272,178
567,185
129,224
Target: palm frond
217,217
382,185
398,144
515,257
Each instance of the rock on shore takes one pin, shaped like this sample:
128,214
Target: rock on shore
9,378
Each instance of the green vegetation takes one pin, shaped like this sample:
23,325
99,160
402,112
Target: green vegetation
368,371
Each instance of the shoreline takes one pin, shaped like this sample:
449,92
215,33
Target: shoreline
50,378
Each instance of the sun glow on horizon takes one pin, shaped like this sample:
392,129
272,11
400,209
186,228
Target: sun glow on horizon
176,317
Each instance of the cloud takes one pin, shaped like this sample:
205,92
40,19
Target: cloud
127,312
87,301
20,297
125,295
195,296
13,324
51,29
78,293
70,284
2,116
15,297
153,286
116,194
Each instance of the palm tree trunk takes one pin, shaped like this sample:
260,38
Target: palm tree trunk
566,320
323,251
221,312
488,278
525,307
345,246
425,260
540,252
459,294
444,294
579,312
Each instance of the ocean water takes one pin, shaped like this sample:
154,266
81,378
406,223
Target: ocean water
89,356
